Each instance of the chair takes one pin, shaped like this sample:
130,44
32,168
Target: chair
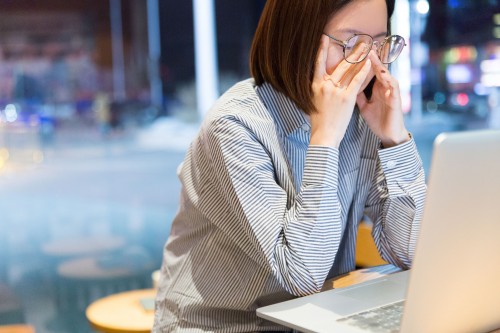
367,254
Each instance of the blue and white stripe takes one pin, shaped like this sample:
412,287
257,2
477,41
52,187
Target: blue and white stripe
265,217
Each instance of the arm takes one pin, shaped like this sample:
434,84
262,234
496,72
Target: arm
299,239
298,243
395,203
396,199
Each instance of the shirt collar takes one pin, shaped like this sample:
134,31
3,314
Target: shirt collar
285,112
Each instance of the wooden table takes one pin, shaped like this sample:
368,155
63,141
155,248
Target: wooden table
90,245
122,312
88,268
80,279
360,275
16,329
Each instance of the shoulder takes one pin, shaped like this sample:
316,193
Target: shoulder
240,105
239,99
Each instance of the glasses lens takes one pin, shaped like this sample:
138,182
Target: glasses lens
391,49
357,48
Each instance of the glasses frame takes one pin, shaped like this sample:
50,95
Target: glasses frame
378,45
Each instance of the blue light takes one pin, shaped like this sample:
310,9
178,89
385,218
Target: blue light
454,3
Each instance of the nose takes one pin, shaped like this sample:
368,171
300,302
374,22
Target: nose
377,45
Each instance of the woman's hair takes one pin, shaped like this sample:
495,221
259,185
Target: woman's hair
287,41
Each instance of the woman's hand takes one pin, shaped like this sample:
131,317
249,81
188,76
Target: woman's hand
383,112
334,97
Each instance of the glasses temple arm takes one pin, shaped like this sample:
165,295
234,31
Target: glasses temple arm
340,42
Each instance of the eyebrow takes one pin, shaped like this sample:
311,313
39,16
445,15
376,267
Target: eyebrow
354,31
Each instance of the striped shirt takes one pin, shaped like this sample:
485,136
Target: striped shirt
265,217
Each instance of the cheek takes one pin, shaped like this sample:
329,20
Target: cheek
333,59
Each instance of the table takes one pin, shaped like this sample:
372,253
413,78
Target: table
82,246
122,312
60,252
89,268
81,279
20,328
360,275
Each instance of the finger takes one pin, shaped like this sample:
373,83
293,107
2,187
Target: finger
380,70
320,66
388,82
359,52
345,71
351,73
359,78
340,71
393,91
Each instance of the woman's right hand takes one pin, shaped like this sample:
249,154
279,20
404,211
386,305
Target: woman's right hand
334,96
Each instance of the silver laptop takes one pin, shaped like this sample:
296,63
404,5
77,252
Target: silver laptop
454,284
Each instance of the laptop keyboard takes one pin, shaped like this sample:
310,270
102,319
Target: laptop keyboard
384,319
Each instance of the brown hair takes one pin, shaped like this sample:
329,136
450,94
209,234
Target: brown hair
286,43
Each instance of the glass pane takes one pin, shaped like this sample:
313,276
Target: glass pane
357,47
391,49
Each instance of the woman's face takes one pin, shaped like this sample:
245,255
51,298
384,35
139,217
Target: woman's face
358,17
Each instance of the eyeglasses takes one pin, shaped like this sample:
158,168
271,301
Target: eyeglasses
357,47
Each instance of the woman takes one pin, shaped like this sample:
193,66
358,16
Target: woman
285,166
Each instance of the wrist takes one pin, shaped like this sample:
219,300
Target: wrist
389,142
325,138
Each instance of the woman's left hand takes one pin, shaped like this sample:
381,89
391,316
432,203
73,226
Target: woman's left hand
383,112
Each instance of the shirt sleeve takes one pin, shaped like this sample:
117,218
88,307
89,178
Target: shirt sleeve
396,201
298,240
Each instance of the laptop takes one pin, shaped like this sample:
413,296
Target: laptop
454,283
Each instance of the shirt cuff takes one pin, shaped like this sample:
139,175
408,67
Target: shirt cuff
400,161
321,166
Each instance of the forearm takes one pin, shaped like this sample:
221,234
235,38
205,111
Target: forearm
295,234
396,203
312,228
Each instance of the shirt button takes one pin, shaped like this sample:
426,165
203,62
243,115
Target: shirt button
306,127
391,164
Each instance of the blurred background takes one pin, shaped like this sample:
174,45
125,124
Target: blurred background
99,100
